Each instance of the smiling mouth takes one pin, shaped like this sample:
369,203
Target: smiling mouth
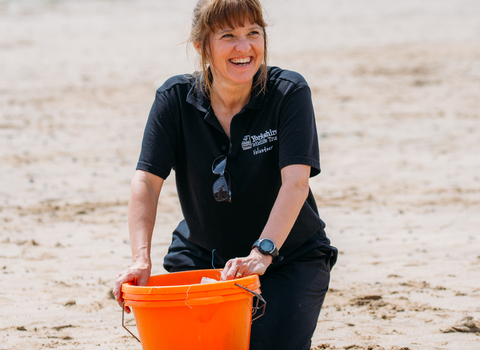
242,62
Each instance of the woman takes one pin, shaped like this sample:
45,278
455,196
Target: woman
249,131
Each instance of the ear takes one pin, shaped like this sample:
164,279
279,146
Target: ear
198,47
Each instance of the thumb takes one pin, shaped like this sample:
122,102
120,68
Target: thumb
143,280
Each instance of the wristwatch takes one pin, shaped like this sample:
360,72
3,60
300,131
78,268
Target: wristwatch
267,247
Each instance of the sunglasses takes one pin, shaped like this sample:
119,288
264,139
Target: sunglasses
221,189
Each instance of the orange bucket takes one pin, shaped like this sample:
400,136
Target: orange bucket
174,311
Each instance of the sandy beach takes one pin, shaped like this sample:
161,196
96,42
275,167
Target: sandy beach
396,89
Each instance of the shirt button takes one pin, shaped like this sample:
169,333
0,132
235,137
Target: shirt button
224,148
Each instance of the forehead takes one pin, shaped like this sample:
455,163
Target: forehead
233,20
248,25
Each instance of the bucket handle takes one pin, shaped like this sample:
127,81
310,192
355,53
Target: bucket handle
255,308
123,323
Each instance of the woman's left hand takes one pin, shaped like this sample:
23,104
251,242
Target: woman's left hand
254,264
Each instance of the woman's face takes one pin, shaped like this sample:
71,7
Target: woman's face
236,54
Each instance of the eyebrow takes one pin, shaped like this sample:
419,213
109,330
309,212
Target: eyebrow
226,30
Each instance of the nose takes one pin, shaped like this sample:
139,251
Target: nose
242,45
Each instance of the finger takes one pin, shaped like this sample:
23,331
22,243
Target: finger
118,297
125,308
225,270
228,274
143,280
240,270
223,277
244,273
117,290
130,276
232,272
120,302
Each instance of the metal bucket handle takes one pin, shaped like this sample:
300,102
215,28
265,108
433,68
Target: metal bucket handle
256,308
123,323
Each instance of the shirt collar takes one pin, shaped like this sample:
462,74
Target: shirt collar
197,98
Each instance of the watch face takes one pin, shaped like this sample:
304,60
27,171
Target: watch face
267,245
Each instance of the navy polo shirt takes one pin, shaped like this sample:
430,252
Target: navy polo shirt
273,130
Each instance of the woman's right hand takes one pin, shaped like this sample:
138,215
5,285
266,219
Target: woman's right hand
138,274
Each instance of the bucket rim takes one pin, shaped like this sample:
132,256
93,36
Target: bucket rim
193,294
189,301
249,281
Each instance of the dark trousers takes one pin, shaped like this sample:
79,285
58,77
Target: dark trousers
294,294
294,291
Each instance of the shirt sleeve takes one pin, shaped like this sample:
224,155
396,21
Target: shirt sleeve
298,140
159,145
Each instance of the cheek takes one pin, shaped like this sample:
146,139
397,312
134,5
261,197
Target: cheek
219,53
260,48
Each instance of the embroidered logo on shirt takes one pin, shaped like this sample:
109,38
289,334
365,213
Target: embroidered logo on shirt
257,140
247,142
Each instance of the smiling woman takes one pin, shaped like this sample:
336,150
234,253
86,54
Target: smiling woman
236,55
220,17
247,133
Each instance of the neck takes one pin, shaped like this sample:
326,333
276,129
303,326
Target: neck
230,98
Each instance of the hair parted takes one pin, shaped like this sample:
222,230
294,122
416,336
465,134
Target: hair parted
210,15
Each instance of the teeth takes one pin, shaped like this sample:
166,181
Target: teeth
241,60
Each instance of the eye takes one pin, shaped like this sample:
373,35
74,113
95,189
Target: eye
226,36
254,32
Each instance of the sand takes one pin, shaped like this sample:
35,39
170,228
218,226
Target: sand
396,89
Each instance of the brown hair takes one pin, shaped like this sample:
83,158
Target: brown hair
210,15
